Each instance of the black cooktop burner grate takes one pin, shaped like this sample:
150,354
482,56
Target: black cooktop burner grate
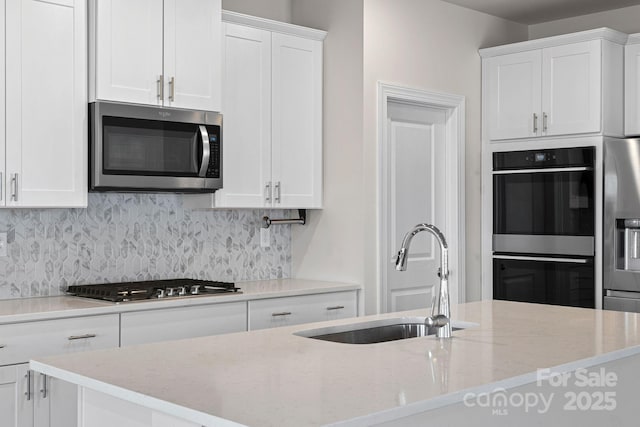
152,289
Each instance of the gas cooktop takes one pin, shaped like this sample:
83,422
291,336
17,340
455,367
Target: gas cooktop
152,289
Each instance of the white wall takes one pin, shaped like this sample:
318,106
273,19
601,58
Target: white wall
330,247
431,45
626,20
279,10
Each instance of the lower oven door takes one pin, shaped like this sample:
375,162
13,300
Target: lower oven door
547,280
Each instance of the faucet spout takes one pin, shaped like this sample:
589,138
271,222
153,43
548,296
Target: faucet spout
441,309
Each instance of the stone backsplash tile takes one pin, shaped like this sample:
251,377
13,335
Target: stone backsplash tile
122,237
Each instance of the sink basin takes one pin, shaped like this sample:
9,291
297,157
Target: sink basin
375,332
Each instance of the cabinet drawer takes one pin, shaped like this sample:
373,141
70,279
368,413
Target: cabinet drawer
184,322
286,311
23,341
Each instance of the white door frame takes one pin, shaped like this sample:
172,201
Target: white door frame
454,229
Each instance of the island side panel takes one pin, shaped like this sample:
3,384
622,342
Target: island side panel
101,410
604,394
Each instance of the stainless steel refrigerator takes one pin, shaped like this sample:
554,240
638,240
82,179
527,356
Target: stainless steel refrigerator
621,227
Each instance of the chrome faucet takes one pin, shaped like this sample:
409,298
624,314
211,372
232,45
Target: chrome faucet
440,309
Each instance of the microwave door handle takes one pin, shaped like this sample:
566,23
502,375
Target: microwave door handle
206,151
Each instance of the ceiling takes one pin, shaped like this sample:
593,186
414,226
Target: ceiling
536,11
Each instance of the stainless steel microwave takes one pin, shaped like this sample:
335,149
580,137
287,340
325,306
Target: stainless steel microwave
154,149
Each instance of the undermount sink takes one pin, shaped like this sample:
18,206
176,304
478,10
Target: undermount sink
375,331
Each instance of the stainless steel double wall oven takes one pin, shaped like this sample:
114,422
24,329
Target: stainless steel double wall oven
544,226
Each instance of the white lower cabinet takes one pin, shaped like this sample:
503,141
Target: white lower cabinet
29,399
184,322
287,311
15,409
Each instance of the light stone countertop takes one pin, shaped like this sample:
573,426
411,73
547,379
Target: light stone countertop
47,308
273,377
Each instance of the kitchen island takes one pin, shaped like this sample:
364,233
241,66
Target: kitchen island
277,378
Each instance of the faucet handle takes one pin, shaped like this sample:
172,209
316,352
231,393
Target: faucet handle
437,321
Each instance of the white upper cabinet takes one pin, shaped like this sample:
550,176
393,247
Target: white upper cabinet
562,85
192,32
246,107
632,86
46,104
296,152
571,88
156,52
127,50
272,108
515,87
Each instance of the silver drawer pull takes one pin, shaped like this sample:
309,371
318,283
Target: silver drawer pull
284,313
3,345
336,307
81,337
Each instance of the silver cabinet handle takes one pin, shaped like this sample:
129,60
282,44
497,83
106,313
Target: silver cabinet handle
14,187
172,88
267,192
160,87
544,122
28,392
2,346
535,123
43,390
284,313
277,190
81,337
336,307
206,151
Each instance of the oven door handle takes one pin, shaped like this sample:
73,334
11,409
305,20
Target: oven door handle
206,151
543,170
542,259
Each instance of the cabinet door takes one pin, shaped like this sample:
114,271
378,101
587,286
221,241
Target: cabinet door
128,49
297,122
246,108
571,82
55,402
192,36
16,408
180,323
514,95
46,98
632,90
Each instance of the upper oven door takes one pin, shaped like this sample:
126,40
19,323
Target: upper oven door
149,148
557,202
544,192
543,201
